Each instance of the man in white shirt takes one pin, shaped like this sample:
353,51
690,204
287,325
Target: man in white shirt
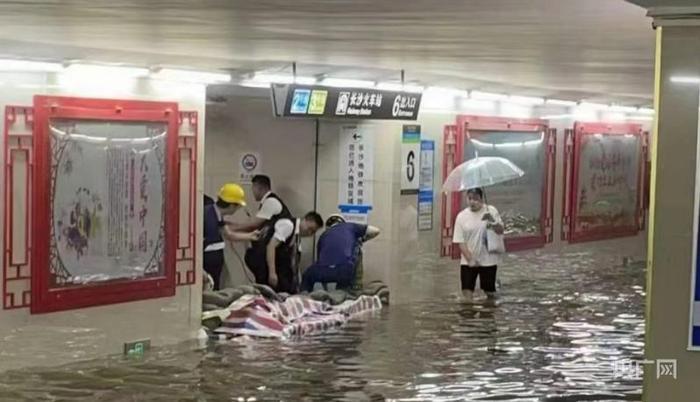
282,248
270,204
470,234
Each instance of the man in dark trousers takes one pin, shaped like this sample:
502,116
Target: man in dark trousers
338,253
231,197
273,258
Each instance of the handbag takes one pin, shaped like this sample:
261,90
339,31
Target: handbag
494,242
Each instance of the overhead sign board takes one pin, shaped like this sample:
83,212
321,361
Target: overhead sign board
313,101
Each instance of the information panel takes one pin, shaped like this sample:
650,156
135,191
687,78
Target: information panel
426,194
356,170
313,101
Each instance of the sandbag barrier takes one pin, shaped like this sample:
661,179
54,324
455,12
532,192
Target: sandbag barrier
256,310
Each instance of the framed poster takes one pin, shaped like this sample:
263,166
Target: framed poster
605,181
525,204
106,203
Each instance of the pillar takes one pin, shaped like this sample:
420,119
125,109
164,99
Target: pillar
672,215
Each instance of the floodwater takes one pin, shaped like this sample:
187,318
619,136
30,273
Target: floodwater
561,323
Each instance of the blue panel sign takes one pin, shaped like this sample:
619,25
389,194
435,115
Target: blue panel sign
355,213
300,101
426,183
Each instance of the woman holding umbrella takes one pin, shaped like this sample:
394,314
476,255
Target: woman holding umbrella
478,229
470,233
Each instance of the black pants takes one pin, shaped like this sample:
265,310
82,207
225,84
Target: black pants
487,278
285,278
213,265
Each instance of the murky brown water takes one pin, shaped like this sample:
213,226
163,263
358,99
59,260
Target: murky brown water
561,322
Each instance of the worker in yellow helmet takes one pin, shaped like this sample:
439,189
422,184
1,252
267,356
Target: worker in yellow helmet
231,197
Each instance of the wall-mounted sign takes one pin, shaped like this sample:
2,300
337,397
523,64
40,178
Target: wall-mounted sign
356,170
425,194
343,103
249,164
355,213
606,180
106,196
410,159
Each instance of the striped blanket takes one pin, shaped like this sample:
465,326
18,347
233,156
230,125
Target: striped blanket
255,315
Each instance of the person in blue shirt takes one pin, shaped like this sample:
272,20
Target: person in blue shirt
216,231
338,250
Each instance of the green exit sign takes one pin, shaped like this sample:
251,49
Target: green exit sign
137,348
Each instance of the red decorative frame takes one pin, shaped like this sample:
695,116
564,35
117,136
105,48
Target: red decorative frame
45,299
572,161
466,125
449,202
16,274
186,247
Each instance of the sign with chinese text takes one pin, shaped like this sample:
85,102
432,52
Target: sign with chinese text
356,169
107,200
607,182
344,103
425,194
410,159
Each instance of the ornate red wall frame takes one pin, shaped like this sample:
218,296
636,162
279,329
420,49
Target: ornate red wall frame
455,138
44,299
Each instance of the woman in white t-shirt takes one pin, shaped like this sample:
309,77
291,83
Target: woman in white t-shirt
470,234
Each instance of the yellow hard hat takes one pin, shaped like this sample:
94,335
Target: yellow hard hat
232,193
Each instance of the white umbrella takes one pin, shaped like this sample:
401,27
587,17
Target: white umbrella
481,172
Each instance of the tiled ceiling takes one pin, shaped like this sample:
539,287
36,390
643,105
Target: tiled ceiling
600,50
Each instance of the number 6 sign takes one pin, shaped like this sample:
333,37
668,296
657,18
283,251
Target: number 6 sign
410,147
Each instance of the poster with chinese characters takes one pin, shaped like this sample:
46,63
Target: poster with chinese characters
608,180
107,201
356,168
519,201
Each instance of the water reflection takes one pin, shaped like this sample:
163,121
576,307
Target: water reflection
562,321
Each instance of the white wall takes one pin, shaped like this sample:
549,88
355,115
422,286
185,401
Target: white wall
56,338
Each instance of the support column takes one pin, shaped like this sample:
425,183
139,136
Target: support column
671,226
